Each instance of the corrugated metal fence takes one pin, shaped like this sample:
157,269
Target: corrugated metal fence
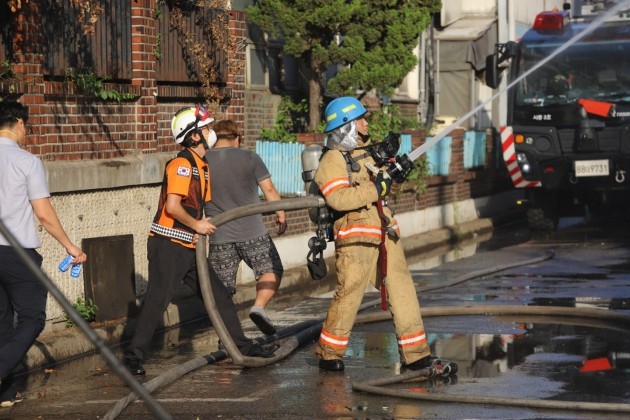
474,149
285,163
439,156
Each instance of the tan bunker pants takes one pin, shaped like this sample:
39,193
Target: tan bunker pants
356,265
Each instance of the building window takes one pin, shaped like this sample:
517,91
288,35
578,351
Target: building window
291,73
257,71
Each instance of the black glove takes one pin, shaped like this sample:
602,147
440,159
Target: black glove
383,184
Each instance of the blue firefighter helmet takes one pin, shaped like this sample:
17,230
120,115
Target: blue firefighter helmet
341,111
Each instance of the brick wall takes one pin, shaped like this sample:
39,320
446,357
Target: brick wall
261,111
235,107
70,126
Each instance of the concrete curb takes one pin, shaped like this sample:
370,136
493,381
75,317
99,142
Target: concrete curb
57,346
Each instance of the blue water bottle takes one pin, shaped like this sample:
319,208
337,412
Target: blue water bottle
65,264
76,271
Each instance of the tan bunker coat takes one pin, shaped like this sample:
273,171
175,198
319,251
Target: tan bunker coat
357,232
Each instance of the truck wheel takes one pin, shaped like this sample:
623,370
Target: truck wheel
538,219
543,209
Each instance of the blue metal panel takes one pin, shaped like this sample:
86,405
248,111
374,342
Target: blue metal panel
439,156
474,149
284,161
405,144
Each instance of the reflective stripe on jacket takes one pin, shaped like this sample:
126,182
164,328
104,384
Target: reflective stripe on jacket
188,176
354,196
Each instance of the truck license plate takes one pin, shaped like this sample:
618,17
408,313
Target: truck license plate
591,168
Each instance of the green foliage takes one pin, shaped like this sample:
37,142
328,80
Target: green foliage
156,49
8,78
387,119
88,82
384,120
158,39
158,9
6,71
417,178
290,120
371,41
87,310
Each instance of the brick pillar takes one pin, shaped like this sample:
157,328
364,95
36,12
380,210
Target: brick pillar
418,137
143,42
237,31
456,169
28,63
457,153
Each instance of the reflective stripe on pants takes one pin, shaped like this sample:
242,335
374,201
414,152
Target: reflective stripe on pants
356,265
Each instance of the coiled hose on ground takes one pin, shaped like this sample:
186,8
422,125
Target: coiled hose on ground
302,333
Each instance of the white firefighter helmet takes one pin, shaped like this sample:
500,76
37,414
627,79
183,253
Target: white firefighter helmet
188,119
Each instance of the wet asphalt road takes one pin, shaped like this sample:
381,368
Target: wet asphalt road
508,357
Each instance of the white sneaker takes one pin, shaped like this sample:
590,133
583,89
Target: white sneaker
10,403
259,317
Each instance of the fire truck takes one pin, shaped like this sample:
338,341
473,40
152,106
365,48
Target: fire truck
567,137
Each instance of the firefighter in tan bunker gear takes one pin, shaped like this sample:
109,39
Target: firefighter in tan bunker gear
357,229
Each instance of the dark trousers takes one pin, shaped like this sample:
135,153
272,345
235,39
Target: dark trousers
21,293
169,264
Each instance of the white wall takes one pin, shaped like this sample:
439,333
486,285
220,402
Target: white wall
410,86
453,10
478,7
239,4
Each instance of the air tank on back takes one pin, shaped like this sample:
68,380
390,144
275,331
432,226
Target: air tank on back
310,161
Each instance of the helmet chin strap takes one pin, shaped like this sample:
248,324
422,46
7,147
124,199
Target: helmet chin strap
189,142
364,139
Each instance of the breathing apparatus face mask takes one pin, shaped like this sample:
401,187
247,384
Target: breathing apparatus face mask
385,150
344,138
317,267
315,261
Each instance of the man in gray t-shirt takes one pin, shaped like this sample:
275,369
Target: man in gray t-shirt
235,176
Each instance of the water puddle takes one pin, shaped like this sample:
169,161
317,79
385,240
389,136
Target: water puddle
533,360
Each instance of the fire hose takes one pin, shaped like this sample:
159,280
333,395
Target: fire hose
308,331
286,345
78,320
289,338
396,168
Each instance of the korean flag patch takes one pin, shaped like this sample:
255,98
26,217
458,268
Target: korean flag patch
183,171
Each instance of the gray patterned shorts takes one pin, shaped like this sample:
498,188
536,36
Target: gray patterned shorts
260,254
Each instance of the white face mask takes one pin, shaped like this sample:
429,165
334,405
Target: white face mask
343,138
212,138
